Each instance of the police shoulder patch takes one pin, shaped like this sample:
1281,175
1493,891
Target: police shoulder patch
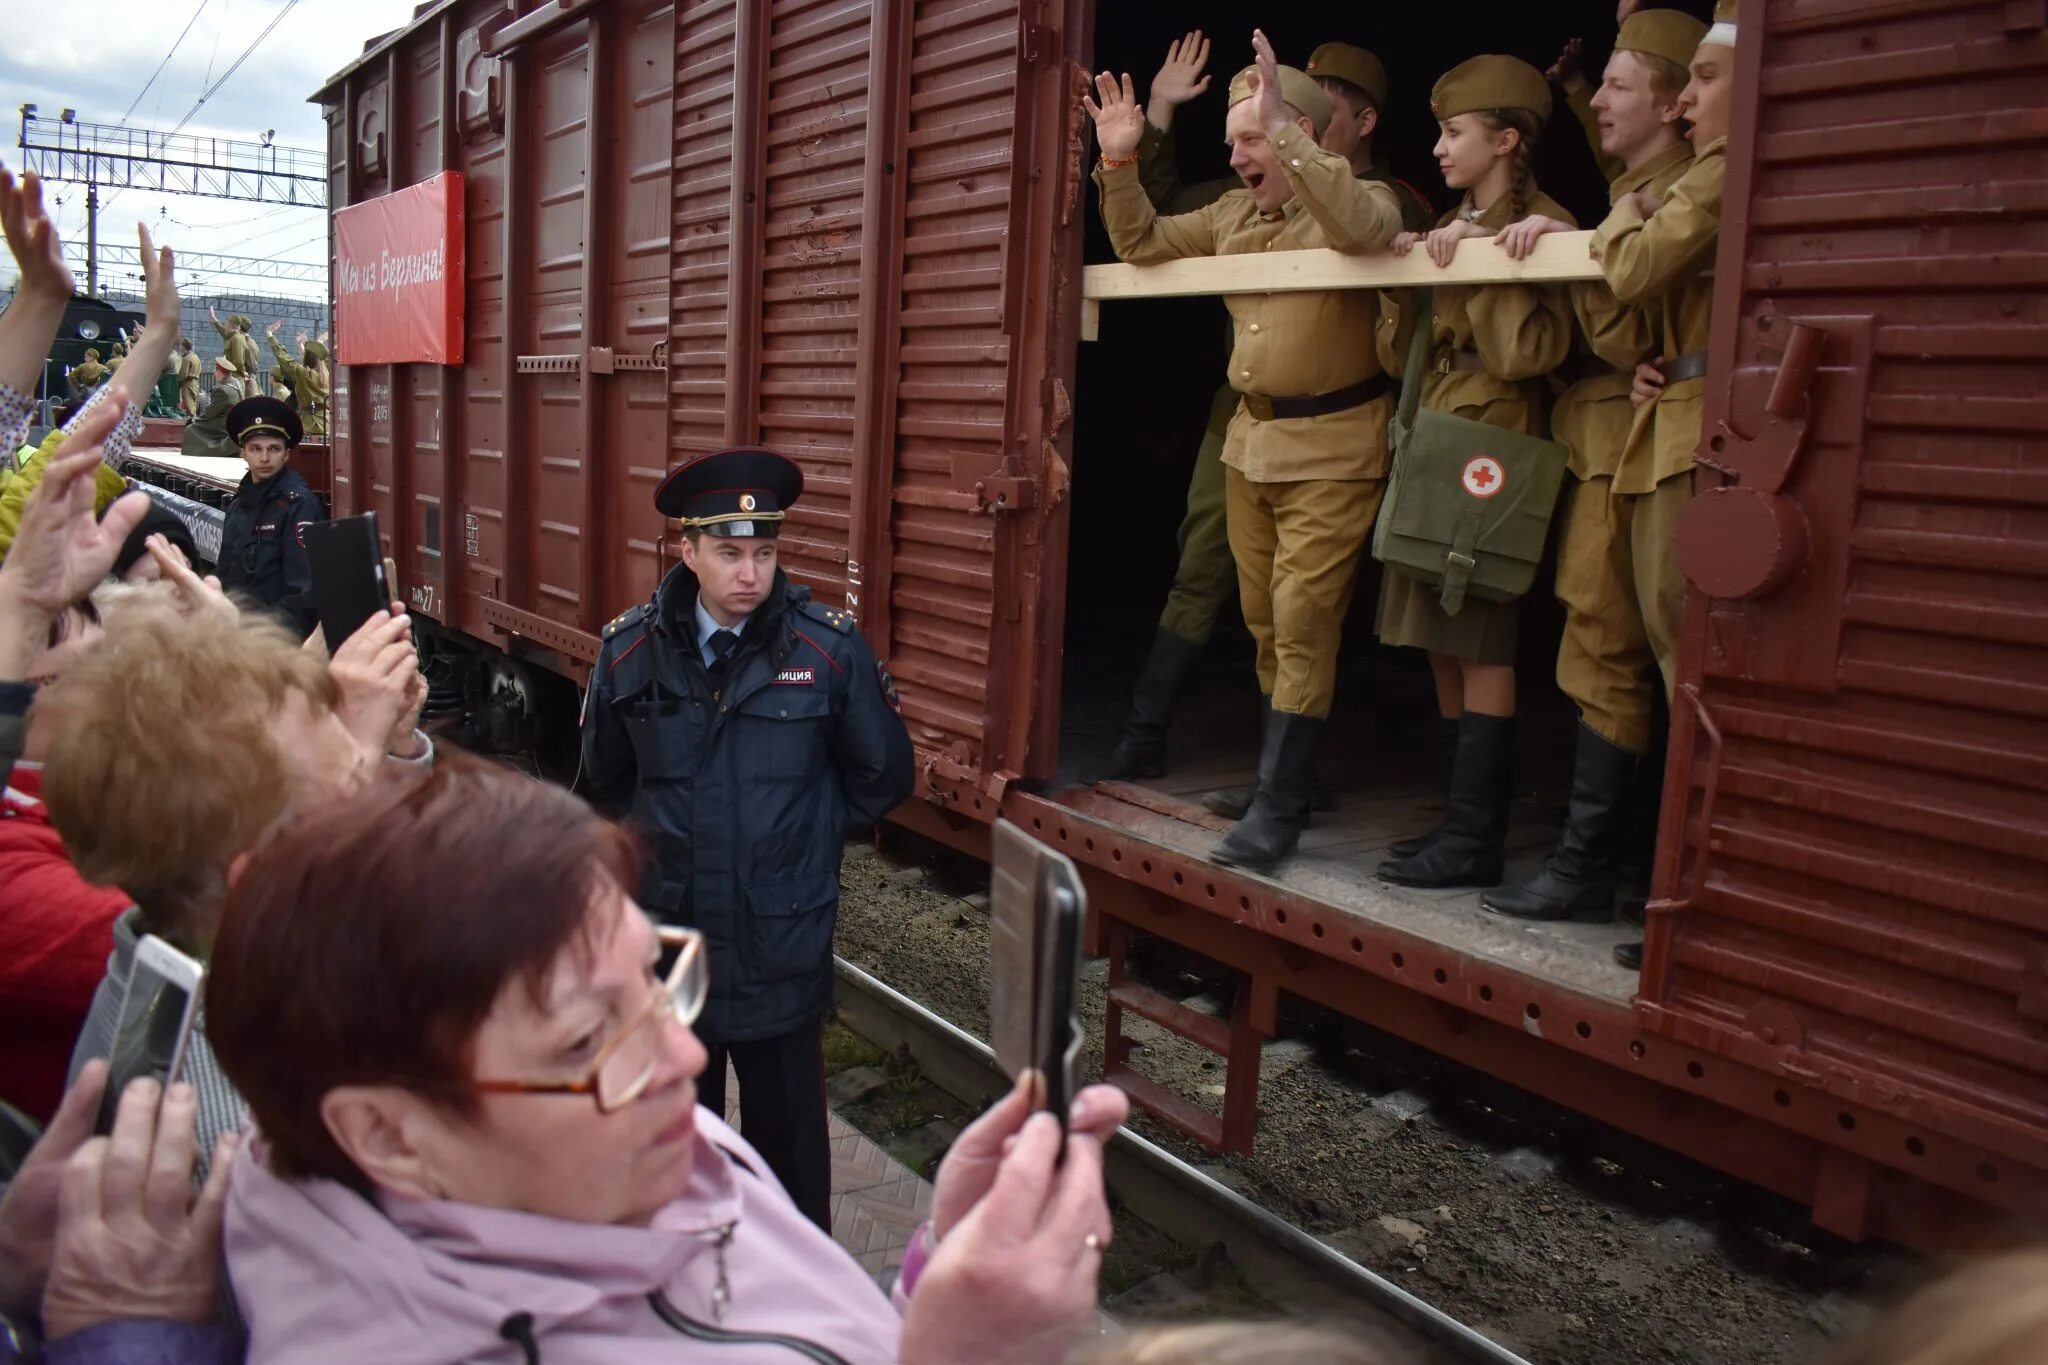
627,619
840,621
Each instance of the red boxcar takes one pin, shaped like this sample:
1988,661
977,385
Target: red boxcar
851,230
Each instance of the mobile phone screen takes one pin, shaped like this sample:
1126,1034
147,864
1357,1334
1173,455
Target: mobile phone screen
349,586
150,1037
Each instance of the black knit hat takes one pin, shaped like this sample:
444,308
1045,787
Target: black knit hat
159,520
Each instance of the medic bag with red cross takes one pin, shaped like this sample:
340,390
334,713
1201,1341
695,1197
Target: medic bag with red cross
1468,505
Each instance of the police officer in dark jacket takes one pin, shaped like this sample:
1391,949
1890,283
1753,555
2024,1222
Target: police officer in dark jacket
261,550
746,726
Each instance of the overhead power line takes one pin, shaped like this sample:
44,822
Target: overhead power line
166,61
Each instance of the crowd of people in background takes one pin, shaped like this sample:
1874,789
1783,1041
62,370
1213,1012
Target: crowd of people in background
442,1100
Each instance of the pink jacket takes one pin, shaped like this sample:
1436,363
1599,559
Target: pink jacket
323,1275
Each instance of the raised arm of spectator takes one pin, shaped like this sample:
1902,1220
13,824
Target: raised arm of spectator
136,380
30,323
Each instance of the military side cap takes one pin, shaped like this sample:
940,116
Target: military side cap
742,492
1670,34
1350,63
1491,81
264,416
1297,87
318,351
1722,34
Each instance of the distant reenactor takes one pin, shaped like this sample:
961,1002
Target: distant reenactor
207,434
307,376
1605,661
238,346
262,540
120,355
86,375
1489,348
188,378
1656,252
1305,460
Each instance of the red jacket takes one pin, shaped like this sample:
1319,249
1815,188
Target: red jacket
56,931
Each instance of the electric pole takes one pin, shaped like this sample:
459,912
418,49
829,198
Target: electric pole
92,239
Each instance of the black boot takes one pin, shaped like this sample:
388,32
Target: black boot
1233,802
1638,854
1629,955
1414,844
1469,851
1278,814
1578,880
1141,751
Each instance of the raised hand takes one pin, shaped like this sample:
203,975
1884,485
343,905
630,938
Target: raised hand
1519,239
271,330
1567,69
1180,77
1272,102
159,289
1119,126
32,237
61,551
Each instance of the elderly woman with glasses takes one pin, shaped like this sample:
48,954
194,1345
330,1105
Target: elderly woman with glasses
477,1135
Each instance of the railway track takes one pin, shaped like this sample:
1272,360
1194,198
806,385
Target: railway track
1165,1191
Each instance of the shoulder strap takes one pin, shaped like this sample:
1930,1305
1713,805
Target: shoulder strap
1424,304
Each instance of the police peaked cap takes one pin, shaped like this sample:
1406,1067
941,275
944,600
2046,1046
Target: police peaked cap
742,492
264,416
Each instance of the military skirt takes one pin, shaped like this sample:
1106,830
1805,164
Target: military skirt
1410,612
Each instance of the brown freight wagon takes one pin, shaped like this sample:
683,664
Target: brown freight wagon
852,230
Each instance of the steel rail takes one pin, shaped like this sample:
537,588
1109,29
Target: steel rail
963,1065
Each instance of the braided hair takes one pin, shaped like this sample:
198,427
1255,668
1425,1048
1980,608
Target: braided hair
1524,122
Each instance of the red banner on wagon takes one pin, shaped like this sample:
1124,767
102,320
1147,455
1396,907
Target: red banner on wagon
398,283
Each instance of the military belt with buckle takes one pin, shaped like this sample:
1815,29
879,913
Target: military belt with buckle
1691,365
1264,409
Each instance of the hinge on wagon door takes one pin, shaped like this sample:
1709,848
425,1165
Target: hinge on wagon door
1003,493
1039,45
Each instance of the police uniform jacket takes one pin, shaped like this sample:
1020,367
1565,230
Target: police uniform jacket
745,794
261,552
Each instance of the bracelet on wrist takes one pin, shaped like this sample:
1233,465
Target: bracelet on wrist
1110,163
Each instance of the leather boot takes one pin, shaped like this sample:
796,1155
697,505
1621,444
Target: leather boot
1637,858
1414,844
1578,880
1233,802
1278,814
1141,750
1469,851
1629,955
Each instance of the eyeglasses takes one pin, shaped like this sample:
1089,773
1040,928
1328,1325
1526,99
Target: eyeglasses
627,1062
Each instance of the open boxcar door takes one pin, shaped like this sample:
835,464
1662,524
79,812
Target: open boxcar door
875,270
1856,813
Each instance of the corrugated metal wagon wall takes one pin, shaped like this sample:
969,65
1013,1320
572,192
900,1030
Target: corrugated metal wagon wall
856,189
1857,897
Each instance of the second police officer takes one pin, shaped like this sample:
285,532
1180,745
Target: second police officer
745,726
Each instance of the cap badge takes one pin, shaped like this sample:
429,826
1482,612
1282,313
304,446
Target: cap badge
746,502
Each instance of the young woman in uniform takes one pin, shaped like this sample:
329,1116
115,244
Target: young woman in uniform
1492,345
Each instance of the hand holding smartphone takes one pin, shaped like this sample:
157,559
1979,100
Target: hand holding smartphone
154,1030
350,582
1036,907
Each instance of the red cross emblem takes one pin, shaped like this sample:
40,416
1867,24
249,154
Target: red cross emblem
1483,476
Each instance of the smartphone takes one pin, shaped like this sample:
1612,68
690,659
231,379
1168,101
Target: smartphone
350,585
155,1025
1036,908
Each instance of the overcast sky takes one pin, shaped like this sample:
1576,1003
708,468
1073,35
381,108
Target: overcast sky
95,56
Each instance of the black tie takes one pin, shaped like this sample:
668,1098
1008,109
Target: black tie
723,643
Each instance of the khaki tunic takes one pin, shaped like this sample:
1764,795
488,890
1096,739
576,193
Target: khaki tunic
1292,344
1666,261
309,389
188,383
86,374
240,349
1521,333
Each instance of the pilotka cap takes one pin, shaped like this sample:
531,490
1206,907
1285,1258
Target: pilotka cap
1670,34
1492,81
1347,62
1297,87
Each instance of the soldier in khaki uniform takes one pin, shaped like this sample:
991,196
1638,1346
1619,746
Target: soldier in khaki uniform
188,378
1605,662
1305,459
1492,346
238,346
307,377
87,373
1206,574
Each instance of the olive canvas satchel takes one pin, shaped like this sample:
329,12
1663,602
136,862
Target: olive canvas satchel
1468,505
